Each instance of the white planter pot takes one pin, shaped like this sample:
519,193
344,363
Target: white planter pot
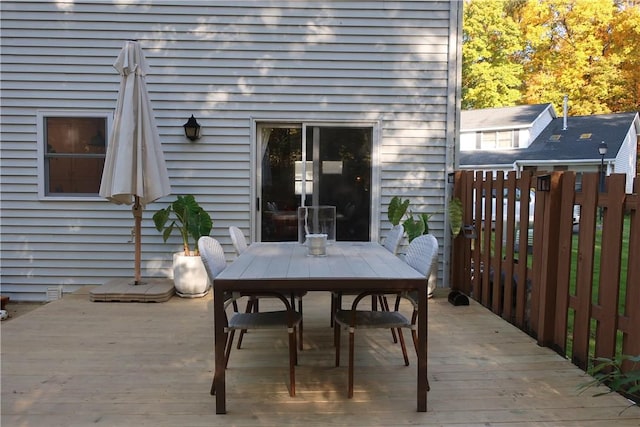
189,276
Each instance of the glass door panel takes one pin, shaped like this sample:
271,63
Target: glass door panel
336,171
342,171
281,180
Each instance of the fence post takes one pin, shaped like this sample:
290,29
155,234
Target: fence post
461,259
546,262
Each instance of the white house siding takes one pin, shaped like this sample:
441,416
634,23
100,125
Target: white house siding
228,63
539,124
625,161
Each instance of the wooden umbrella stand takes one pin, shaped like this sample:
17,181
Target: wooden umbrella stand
137,215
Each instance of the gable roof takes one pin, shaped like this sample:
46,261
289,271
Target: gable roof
520,116
578,142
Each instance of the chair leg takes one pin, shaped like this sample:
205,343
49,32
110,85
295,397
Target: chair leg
404,348
227,352
336,304
351,360
252,304
300,343
384,303
414,333
226,360
333,308
293,359
336,341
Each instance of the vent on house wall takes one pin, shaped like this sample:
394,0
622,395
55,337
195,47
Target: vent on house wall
54,293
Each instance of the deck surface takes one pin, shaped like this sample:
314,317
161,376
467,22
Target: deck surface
74,362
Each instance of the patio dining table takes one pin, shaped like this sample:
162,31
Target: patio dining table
347,266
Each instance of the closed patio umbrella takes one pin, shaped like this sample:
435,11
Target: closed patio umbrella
134,170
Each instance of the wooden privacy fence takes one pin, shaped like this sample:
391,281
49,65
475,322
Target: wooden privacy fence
562,249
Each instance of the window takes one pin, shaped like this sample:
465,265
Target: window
73,148
498,139
504,139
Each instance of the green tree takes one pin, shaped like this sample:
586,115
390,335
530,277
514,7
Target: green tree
531,52
491,73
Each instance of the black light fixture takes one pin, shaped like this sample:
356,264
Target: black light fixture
451,178
192,129
544,183
602,150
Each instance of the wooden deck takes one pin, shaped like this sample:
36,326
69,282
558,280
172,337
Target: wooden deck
73,362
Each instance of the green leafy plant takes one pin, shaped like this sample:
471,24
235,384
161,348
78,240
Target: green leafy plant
414,226
397,209
455,216
188,217
608,372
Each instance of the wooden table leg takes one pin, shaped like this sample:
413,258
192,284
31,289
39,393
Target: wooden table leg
422,351
219,345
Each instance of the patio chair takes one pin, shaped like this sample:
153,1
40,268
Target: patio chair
238,240
240,245
288,319
420,254
391,242
394,238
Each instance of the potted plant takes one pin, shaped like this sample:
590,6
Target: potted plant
414,226
192,221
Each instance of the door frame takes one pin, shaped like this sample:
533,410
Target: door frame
256,166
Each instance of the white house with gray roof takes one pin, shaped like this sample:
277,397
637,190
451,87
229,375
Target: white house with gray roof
533,137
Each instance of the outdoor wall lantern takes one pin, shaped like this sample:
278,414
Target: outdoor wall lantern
602,150
544,183
451,178
192,129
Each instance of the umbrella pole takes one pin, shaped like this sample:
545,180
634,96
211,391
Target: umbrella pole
137,214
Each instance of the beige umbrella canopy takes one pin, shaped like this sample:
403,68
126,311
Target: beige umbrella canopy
134,170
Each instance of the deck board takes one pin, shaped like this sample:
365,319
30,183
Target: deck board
74,362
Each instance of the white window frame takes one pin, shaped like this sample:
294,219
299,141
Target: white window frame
494,142
41,134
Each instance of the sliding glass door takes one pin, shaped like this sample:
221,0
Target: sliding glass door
307,165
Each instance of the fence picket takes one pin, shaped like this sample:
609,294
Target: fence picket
491,265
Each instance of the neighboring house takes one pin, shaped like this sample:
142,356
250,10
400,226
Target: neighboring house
365,93
533,137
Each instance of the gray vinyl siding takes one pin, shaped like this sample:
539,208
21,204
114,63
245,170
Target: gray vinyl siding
228,63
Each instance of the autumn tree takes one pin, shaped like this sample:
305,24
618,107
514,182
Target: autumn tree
625,42
586,49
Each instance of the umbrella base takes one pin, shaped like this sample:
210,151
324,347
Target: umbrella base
123,290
